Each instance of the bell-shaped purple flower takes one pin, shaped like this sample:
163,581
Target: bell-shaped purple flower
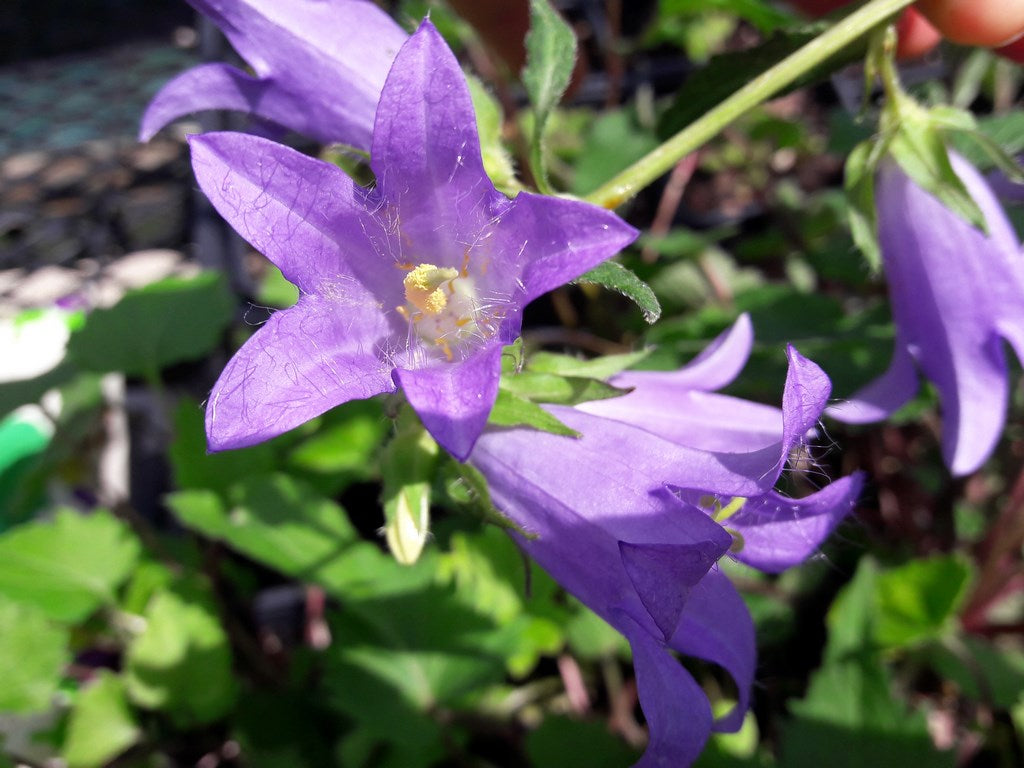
416,283
957,294
615,517
319,67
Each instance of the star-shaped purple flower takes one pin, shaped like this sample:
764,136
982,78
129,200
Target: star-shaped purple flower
319,67
416,283
616,518
957,294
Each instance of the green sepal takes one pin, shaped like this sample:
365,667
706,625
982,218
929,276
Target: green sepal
511,410
615,277
408,464
861,166
559,390
917,144
550,58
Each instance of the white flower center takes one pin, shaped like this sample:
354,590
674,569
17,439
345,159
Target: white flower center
441,303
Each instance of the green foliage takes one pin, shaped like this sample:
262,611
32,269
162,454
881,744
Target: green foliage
615,277
512,410
181,662
168,322
550,56
101,725
33,652
576,744
68,567
560,390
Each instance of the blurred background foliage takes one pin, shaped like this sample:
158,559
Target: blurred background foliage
162,607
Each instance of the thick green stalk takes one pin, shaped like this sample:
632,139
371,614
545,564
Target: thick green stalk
659,161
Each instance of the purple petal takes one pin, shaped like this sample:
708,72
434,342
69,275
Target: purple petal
329,58
453,400
677,711
304,215
703,420
715,367
716,626
304,361
213,86
885,395
803,400
426,153
955,292
778,533
550,241
663,575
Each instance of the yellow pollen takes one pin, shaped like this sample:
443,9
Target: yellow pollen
423,287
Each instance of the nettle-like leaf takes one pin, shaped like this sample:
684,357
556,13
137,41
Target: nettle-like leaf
181,663
615,277
33,652
168,322
67,567
284,524
559,390
512,410
550,58
101,725
598,368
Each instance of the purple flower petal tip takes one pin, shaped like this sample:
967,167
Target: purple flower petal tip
663,575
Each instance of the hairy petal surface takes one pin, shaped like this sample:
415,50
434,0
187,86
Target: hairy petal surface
306,216
778,533
304,361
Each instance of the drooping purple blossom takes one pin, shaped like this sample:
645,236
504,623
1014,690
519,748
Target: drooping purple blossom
616,518
416,283
957,294
319,68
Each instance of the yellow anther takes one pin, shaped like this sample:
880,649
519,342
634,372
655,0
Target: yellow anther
423,287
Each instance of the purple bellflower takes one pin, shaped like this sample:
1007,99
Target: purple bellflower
319,67
617,516
417,283
957,294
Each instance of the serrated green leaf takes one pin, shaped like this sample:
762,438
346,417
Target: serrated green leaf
849,719
282,523
559,390
33,652
918,601
101,725
67,567
599,368
918,147
514,411
550,57
615,277
407,466
168,322
181,663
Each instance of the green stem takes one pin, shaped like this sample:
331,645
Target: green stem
760,89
